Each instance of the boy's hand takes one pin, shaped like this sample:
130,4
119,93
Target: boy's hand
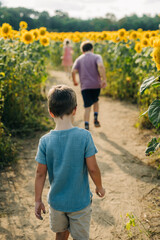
75,83
103,84
38,207
100,191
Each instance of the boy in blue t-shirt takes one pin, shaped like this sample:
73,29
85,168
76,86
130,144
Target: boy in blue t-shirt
67,153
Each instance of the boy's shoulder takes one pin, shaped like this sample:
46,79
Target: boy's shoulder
74,130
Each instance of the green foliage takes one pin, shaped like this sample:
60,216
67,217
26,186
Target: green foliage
61,22
20,88
146,84
153,112
135,226
22,76
153,145
56,51
7,148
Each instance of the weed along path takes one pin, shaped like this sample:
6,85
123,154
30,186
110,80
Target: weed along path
131,185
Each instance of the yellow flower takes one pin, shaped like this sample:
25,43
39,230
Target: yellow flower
27,37
128,79
152,40
140,30
44,41
23,25
35,33
42,31
122,33
138,47
145,42
6,29
158,66
134,35
2,74
156,55
156,43
146,34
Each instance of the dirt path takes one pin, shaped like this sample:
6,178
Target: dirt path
131,185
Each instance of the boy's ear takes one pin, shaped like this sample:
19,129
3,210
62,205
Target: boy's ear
51,114
74,111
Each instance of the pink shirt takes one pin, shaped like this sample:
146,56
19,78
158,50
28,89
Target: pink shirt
87,67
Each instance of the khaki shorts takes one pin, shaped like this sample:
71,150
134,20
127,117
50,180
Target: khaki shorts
77,223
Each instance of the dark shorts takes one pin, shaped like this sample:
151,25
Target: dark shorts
90,96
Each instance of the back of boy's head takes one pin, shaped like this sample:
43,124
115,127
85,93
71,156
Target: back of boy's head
61,100
86,46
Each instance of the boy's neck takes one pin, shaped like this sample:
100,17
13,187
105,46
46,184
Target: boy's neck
63,123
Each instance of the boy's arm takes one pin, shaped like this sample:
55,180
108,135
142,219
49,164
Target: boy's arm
74,71
41,173
102,73
95,174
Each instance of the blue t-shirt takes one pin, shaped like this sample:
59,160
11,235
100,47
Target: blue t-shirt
64,153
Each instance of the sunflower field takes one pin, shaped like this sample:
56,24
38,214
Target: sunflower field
129,57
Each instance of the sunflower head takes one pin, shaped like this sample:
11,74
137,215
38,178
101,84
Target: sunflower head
23,25
156,55
35,33
145,42
44,41
152,40
156,43
6,29
147,34
134,35
27,37
138,47
42,31
122,33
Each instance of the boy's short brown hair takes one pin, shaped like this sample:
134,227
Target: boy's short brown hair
61,100
86,46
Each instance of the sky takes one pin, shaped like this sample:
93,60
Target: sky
86,9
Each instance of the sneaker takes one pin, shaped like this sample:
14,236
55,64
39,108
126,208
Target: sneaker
96,123
86,126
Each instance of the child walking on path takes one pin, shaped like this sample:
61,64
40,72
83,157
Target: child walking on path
67,153
67,57
92,78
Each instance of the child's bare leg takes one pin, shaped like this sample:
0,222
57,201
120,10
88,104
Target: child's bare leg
62,235
96,110
87,114
96,107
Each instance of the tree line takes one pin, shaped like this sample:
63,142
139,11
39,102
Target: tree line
62,22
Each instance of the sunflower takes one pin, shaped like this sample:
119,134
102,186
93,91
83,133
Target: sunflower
156,55
152,40
134,35
138,47
44,41
122,34
145,42
27,37
42,31
23,25
6,29
147,34
156,43
35,33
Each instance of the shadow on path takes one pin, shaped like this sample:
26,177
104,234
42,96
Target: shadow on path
129,163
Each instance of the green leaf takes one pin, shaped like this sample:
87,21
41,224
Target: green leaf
143,113
154,113
146,84
156,84
153,145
